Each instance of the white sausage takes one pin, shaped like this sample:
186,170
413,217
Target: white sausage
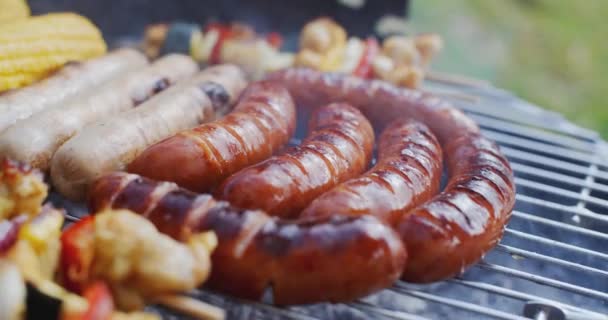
72,79
112,143
35,139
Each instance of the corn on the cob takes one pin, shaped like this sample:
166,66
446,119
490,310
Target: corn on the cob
32,48
11,10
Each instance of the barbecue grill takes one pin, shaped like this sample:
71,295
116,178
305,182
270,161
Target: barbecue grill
551,263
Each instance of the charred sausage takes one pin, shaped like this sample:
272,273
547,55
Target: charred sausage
407,173
73,79
306,261
34,140
458,226
110,144
338,147
199,159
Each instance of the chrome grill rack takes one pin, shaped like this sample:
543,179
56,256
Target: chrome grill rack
552,262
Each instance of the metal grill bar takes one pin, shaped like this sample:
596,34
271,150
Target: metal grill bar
561,225
570,209
543,280
561,192
546,161
455,303
558,177
387,312
548,136
545,258
542,147
556,244
518,295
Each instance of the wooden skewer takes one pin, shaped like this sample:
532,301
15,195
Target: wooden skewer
456,79
191,307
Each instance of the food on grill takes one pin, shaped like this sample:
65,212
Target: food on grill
303,261
407,173
324,45
111,143
31,48
199,159
13,10
74,78
127,251
338,147
401,60
456,227
34,140
219,43
22,189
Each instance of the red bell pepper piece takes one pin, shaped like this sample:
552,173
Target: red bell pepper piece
100,301
77,249
274,39
364,68
224,32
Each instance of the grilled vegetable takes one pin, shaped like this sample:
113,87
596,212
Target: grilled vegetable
77,249
22,189
11,10
32,48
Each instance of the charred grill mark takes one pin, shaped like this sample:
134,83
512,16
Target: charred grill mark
219,97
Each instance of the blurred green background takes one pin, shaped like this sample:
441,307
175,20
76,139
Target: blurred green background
551,52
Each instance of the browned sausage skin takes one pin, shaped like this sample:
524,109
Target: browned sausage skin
407,174
455,228
200,158
314,260
338,147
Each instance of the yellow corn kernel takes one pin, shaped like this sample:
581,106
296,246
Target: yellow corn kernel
32,48
11,10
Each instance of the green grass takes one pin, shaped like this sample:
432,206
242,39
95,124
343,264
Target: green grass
551,52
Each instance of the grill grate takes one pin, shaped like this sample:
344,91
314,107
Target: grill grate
554,251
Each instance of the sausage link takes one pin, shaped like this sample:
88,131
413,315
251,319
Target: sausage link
71,80
110,144
200,158
458,226
35,139
306,261
407,174
338,147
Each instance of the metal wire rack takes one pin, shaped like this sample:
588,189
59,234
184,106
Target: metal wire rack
551,263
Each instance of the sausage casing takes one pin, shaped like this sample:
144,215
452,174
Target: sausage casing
319,259
407,173
34,140
458,226
71,80
200,158
338,147
110,144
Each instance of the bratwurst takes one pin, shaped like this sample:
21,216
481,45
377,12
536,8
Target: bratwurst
110,144
338,147
458,226
305,261
200,158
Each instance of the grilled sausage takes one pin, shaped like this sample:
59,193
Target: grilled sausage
199,159
314,260
110,144
35,139
73,79
407,174
455,228
338,147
